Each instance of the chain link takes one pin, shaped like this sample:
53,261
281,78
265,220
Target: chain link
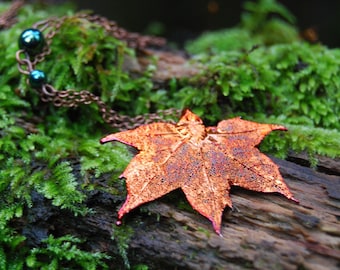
73,98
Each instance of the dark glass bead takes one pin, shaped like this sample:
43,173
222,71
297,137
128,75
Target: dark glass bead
32,41
37,78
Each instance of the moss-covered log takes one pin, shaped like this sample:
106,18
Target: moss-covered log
263,231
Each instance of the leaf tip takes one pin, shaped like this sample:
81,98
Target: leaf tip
294,200
108,138
278,127
216,225
217,229
289,195
119,222
189,117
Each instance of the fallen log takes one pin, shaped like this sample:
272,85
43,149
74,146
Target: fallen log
263,231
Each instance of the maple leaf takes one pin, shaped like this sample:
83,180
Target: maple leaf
203,161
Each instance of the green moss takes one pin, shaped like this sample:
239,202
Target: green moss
294,84
279,80
270,76
122,235
140,267
259,69
37,157
63,253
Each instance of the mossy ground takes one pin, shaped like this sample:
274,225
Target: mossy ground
260,69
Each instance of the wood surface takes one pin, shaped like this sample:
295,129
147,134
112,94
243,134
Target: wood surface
263,231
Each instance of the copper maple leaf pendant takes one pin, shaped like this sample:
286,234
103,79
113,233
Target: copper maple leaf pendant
203,161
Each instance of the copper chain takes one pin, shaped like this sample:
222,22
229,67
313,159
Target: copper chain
73,98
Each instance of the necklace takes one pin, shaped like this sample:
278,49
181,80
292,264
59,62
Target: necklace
34,47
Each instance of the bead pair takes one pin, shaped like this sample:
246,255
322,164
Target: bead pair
32,41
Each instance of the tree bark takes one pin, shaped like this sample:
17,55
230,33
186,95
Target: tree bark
263,231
